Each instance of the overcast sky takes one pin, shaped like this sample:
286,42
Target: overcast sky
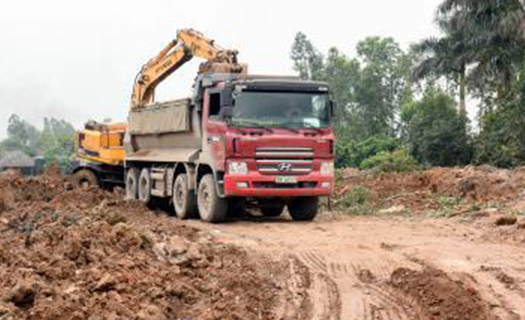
76,60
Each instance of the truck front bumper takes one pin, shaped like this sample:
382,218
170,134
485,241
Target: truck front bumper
255,185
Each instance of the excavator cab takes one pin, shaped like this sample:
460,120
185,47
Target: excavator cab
100,154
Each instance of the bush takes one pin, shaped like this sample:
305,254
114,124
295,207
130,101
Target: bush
355,201
352,154
396,161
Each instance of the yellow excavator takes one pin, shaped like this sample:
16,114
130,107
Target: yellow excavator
100,153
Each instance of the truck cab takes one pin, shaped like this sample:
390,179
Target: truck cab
270,137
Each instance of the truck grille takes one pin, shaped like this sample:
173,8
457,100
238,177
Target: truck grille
284,161
284,153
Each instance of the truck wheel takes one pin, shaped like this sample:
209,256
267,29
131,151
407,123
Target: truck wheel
85,179
183,198
145,186
304,208
211,207
131,184
271,207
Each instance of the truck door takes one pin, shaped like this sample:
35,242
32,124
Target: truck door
214,143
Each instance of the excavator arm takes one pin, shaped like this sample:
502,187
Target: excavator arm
189,44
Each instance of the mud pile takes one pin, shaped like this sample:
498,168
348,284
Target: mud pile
423,190
440,297
70,254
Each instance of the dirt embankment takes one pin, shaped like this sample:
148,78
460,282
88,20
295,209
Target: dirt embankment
67,254
423,190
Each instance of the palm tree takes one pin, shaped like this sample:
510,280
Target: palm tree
447,56
488,17
484,37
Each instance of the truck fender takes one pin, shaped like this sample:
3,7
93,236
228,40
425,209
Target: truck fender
190,171
220,191
183,167
79,167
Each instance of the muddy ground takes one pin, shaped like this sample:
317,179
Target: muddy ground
439,244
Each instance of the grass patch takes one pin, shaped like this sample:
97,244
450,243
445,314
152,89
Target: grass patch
356,201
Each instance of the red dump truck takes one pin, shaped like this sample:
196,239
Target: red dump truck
265,139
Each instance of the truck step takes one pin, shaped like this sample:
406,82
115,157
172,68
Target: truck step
158,193
158,176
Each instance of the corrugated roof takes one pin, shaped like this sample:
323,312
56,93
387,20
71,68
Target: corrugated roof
16,159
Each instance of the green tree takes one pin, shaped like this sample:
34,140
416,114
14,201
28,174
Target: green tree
54,131
446,57
369,91
342,75
492,38
501,141
21,136
436,133
55,142
382,86
491,17
308,61
61,153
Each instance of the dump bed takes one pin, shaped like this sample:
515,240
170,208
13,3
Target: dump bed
163,132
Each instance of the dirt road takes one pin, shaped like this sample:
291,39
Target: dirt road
352,267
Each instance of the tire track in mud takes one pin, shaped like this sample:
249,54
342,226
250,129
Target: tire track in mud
324,293
296,304
350,274
344,287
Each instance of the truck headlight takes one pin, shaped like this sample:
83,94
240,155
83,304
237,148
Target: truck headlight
327,168
238,167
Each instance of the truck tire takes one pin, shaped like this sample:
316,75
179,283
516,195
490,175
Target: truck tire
271,207
144,186
212,208
131,184
85,179
304,208
184,201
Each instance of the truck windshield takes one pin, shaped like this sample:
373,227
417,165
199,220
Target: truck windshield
281,109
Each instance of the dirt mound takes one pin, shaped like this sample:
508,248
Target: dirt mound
70,254
440,297
436,188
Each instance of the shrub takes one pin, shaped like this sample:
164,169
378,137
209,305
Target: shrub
355,201
395,161
352,154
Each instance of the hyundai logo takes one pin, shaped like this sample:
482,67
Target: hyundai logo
284,167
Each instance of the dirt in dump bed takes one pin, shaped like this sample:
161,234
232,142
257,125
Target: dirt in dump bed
70,254
440,297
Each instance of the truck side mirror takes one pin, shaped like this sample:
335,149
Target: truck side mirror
333,107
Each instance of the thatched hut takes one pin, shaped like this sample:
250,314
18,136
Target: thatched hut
19,161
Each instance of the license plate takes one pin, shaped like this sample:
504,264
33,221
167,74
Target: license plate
286,180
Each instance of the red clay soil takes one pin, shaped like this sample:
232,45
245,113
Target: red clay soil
440,297
70,254
419,190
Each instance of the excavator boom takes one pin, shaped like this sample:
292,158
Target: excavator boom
189,44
